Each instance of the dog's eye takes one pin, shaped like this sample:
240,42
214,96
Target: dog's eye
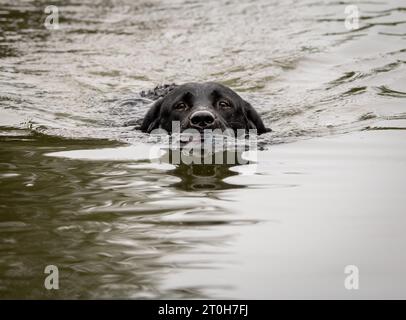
224,104
181,106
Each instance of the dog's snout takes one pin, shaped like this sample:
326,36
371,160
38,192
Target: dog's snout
202,119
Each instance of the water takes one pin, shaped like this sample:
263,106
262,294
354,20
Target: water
117,225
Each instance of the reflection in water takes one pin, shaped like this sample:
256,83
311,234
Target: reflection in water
204,177
202,173
114,229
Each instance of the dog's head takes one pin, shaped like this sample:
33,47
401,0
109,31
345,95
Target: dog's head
202,106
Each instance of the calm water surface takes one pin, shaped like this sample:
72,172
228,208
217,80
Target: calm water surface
327,190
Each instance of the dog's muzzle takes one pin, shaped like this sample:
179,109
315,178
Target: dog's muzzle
202,120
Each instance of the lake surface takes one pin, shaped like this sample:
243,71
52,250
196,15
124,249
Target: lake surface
78,189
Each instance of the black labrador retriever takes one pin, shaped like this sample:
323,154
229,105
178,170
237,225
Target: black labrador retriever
202,106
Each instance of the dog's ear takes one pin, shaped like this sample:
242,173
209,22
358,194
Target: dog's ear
152,117
254,120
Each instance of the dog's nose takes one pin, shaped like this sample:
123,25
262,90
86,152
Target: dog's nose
202,119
